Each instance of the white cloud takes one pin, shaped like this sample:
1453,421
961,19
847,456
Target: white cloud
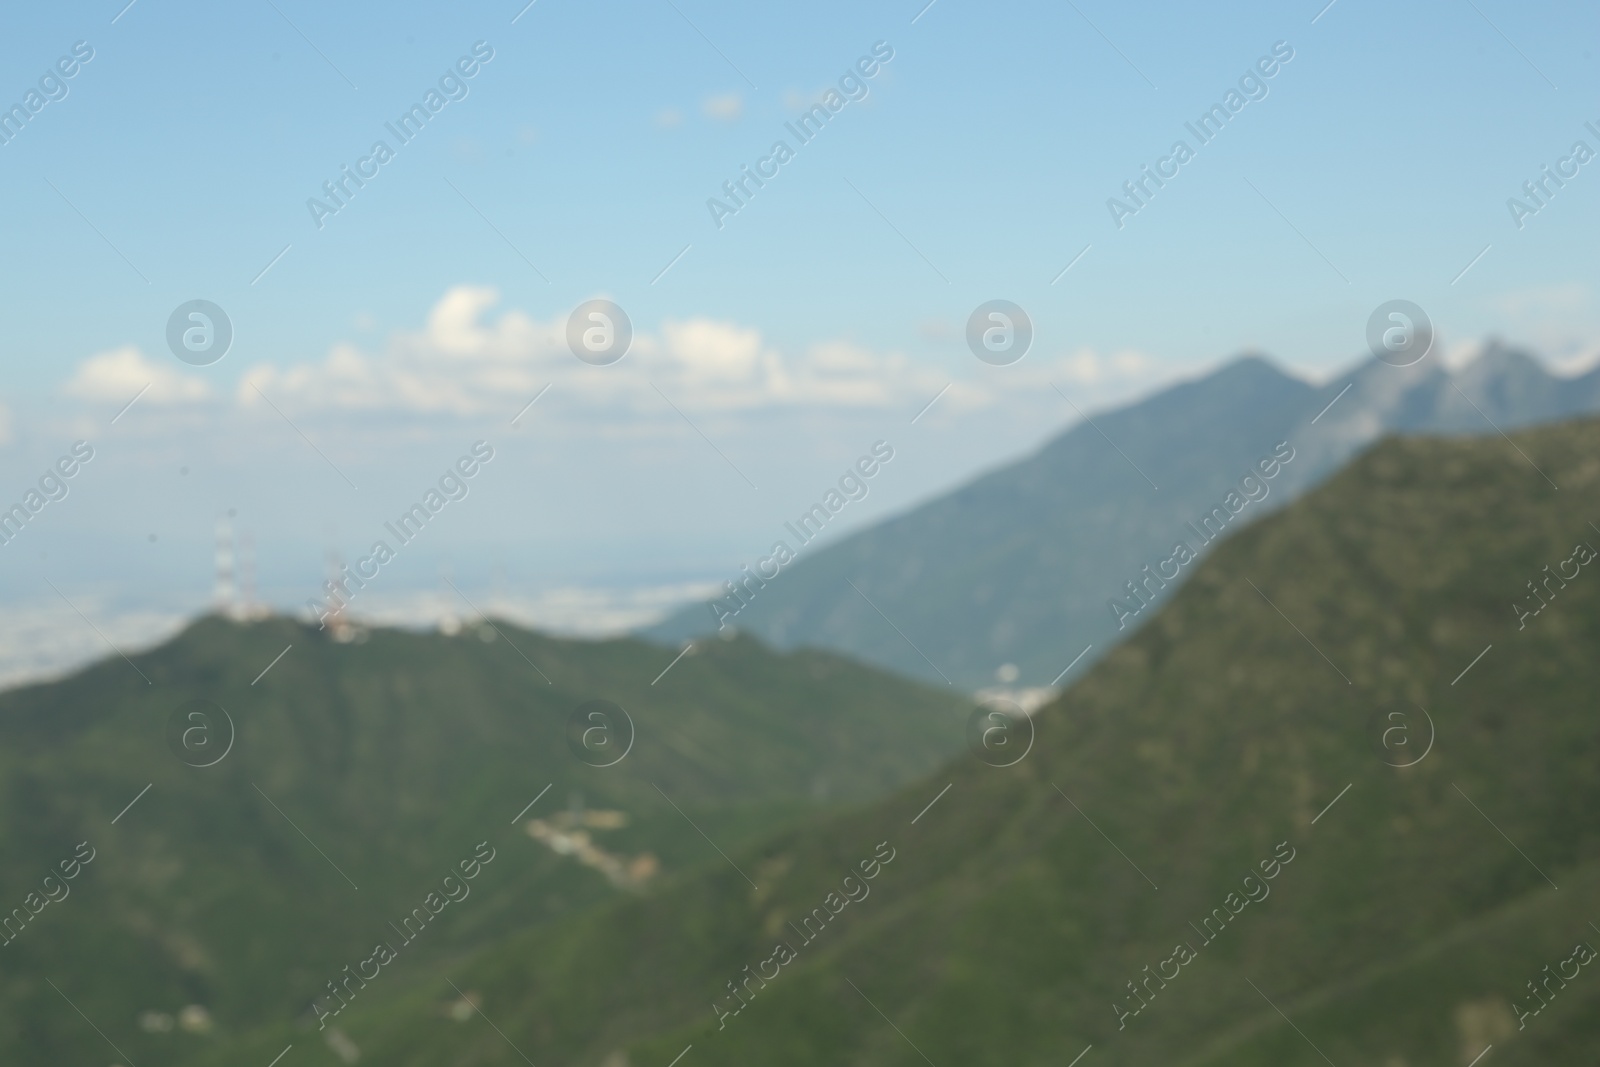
715,350
471,358
466,361
117,376
726,107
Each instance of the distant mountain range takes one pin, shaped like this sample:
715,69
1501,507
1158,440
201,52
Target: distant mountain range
1315,810
1008,578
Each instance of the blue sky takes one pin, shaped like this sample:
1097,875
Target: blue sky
816,320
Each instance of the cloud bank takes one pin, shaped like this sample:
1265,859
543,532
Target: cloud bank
471,358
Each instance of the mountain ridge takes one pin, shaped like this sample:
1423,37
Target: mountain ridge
1013,571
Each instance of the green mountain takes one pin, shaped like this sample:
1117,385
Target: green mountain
361,778
1017,566
1330,890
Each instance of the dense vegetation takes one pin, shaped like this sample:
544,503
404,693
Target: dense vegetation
396,757
1008,926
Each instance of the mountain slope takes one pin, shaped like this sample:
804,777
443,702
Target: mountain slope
360,776
1018,566
1233,734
